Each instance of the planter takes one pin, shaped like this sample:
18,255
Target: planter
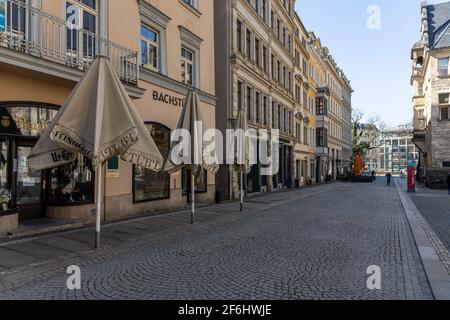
9,221
4,207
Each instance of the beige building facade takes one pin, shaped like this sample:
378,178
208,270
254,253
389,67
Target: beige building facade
160,49
332,104
305,116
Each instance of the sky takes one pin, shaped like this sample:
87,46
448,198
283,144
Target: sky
376,60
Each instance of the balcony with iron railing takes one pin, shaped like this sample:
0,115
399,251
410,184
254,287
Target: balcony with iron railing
29,31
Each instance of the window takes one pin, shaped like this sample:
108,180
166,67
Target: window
240,96
444,98
289,129
201,185
4,174
279,30
249,103
150,48
297,93
279,75
266,110
321,137
187,66
239,35
273,67
81,15
72,183
321,106
274,108
13,16
305,135
257,107
257,52
443,67
149,185
289,84
192,3
249,45
264,9
272,20
264,57
280,120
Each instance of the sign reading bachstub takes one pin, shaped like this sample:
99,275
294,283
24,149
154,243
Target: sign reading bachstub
167,99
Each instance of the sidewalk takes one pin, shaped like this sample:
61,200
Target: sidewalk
428,212
434,205
44,253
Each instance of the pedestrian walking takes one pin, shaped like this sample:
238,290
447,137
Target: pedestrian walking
388,178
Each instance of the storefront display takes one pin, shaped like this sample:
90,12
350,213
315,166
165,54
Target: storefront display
148,185
31,192
5,193
72,183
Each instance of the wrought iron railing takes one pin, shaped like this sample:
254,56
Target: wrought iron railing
29,30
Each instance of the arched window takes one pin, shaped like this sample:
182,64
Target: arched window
149,185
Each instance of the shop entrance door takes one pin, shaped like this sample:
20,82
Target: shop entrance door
29,185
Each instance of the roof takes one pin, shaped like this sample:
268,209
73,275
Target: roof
438,16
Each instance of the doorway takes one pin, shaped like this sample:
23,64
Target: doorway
29,185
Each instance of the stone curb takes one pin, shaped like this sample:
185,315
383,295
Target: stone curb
437,274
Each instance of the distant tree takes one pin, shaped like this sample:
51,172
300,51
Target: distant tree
363,141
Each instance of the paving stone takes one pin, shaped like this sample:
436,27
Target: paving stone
316,247
65,244
38,250
10,258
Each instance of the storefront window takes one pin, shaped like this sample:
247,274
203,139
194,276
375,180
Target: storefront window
5,194
200,187
149,185
72,183
29,183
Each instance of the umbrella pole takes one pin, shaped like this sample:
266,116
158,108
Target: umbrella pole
193,198
99,207
242,191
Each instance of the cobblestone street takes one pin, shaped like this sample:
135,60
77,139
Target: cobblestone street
314,243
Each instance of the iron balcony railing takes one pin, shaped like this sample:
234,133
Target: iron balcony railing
29,30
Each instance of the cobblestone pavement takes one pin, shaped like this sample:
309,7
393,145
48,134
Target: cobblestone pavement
315,243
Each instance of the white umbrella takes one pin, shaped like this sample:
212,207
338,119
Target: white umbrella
242,157
100,122
191,116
